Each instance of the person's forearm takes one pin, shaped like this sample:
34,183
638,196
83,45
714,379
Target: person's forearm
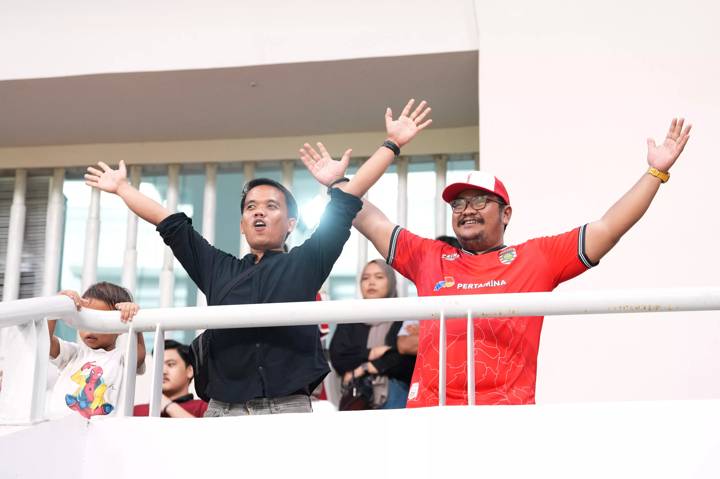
141,351
407,344
146,208
603,234
369,172
173,409
54,342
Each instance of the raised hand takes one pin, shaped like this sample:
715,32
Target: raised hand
106,179
407,125
663,157
321,165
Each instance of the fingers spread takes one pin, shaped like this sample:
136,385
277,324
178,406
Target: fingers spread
427,123
311,151
422,115
323,150
94,171
418,110
406,110
104,166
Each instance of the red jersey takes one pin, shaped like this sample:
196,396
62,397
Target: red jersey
506,349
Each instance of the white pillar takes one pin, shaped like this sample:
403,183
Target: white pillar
92,237
288,167
16,233
167,278
129,271
362,253
249,173
402,211
209,208
54,220
440,206
287,181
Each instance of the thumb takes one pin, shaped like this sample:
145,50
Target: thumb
345,160
122,168
388,117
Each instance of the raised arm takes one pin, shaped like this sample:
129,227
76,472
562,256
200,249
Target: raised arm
603,234
400,132
115,181
375,226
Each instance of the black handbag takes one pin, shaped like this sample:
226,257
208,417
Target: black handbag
357,394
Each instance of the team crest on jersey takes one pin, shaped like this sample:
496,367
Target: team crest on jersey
507,255
450,257
448,282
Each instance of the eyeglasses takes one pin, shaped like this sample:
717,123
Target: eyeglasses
458,205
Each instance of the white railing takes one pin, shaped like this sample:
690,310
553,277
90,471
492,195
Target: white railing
25,313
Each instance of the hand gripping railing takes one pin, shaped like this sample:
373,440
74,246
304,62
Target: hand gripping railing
22,312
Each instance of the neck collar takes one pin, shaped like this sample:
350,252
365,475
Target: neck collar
489,250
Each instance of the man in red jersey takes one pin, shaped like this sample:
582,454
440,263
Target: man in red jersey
505,348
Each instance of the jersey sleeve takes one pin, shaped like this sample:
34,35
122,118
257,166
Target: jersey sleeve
565,254
407,252
68,351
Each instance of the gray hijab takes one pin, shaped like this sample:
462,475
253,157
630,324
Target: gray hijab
378,331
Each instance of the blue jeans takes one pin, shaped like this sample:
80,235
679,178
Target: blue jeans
281,405
397,394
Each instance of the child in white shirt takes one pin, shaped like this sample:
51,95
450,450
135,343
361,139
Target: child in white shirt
91,371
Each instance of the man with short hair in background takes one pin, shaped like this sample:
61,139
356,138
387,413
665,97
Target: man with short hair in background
177,400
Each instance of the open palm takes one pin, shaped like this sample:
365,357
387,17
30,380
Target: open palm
321,165
408,124
663,156
106,179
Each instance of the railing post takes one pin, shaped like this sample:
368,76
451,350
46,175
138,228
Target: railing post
16,232
442,371
158,364
129,373
42,353
470,337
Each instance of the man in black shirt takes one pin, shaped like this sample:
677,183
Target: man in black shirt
267,370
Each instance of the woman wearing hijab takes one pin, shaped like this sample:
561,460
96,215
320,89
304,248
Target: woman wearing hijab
368,352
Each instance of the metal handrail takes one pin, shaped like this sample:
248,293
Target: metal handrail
352,311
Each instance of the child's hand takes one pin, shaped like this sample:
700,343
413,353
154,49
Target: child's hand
77,299
127,311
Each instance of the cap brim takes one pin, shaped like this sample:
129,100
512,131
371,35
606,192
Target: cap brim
452,191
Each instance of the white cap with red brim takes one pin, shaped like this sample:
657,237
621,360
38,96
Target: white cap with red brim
477,180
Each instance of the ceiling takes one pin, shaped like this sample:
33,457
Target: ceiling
248,102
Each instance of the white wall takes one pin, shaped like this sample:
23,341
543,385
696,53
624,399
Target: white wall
658,440
45,38
569,91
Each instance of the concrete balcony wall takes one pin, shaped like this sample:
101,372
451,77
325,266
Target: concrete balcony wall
569,92
47,39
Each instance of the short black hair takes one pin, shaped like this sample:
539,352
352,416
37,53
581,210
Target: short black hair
183,350
109,293
289,198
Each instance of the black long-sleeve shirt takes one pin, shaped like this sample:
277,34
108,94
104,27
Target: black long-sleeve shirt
348,350
248,363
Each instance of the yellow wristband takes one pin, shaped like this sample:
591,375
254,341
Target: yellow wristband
663,176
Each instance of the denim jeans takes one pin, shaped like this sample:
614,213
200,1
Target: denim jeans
397,394
281,405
